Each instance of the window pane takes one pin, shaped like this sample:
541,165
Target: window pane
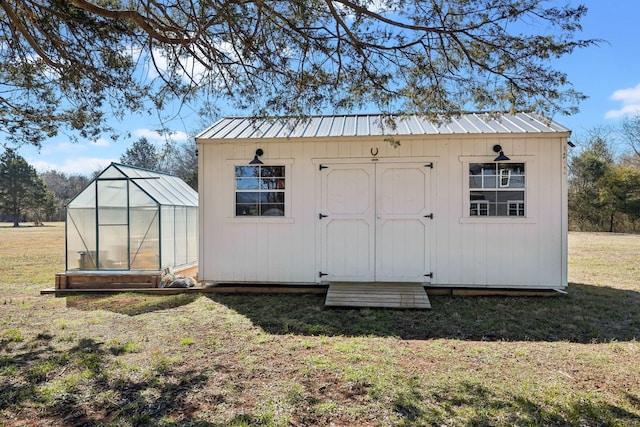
482,168
272,171
489,196
247,209
475,182
247,171
272,184
247,197
515,168
272,210
516,182
272,197
247,183
504,196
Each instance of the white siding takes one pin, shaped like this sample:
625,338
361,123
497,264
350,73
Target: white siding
476,252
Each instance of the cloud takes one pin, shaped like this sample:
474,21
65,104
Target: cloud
75,166
101,142
630,99
155,138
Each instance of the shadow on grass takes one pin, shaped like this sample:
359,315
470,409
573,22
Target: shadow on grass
73,387
587,314
482,406
129,303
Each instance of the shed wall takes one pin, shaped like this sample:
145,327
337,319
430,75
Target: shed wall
465,251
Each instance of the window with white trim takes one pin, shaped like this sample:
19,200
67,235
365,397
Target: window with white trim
496,189
260,190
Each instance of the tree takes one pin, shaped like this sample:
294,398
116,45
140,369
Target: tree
68,65
620,193
184,163
64,187
180,160
631,135
142,154
586,170
21,190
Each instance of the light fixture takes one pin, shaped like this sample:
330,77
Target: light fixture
501,157
256,160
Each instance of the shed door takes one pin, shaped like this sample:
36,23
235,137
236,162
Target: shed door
376,226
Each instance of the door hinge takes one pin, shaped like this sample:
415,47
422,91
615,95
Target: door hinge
430,275
429,165
429,216
320,167
320,216
320,274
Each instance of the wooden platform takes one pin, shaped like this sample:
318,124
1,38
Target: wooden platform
390,295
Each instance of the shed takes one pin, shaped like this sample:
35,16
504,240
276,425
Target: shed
478,201
132,220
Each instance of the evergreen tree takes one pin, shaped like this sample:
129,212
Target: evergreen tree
142,154
70,65
22,192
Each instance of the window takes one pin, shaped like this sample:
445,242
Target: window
496,189
260,190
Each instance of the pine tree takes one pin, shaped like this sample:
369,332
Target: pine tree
21,190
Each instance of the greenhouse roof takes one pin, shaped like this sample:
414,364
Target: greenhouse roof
163,188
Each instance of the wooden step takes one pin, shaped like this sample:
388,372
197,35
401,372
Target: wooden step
391,295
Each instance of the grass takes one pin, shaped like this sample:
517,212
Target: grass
280,360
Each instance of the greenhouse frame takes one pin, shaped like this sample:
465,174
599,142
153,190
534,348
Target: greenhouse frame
130,219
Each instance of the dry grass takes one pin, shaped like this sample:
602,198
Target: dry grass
286,360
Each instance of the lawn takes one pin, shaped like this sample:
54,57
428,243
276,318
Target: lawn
282,360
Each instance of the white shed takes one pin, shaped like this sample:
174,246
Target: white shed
479,201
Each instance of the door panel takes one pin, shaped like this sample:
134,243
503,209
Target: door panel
401,227
348,230
375,228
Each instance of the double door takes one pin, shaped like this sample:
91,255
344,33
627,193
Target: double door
376,222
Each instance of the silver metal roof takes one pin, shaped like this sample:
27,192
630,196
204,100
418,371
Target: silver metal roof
375,124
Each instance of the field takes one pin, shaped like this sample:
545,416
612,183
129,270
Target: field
285,360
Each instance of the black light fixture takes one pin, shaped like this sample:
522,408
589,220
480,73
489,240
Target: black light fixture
501,157
256,160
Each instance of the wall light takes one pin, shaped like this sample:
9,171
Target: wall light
501,157
256,160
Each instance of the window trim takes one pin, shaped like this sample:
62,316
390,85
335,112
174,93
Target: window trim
230,192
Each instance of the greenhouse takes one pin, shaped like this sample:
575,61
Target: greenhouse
132,219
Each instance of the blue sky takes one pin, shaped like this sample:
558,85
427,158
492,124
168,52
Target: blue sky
609,74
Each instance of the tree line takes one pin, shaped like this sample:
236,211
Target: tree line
29,196
604,189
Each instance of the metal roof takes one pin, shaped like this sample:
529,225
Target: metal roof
376,124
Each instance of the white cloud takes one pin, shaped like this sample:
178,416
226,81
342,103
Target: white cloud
155,138
630,99
101,142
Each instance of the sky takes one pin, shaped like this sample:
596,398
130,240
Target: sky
609,74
